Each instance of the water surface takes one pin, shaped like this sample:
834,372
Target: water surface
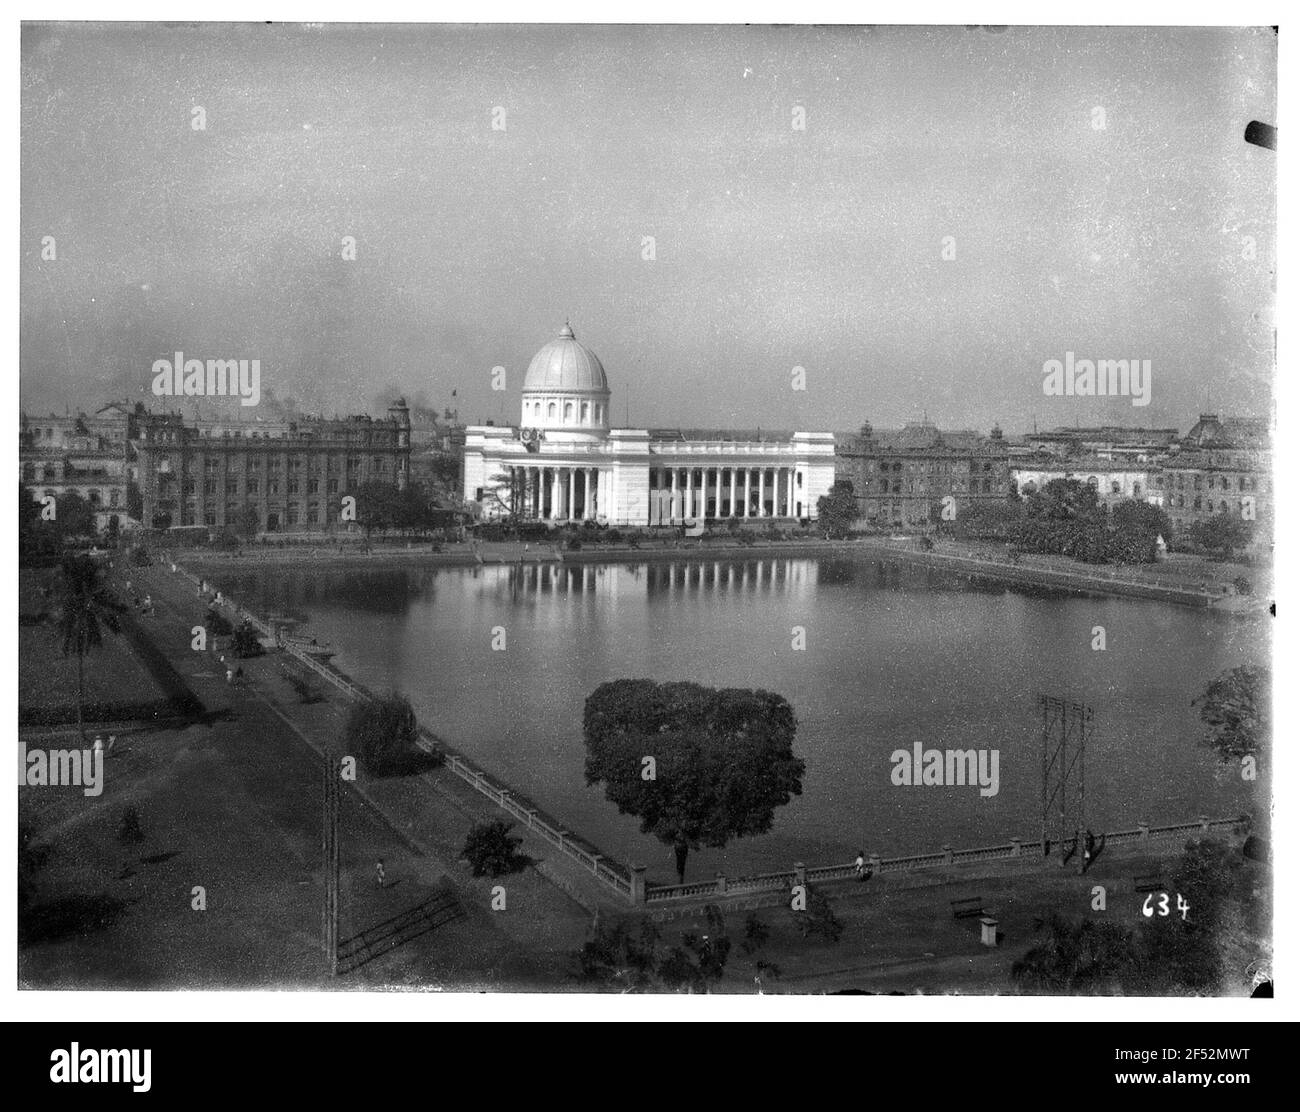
894,656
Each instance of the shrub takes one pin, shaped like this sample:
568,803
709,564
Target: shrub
492,850
1242,585
245,642
819,920
218,625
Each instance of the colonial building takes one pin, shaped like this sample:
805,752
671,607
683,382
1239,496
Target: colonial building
278,476
901,476
564,462
1220,467
90,455
1115,481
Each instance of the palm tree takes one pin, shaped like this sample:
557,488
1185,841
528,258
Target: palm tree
85,606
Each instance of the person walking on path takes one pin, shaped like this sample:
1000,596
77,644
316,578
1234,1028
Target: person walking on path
860,866
379,872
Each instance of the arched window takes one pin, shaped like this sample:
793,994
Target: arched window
1137,490
1114,486
537,409
586,413
568,412
550,410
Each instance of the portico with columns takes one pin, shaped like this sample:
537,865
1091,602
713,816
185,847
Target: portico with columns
564,463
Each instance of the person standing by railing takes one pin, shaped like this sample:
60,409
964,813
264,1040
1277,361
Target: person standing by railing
860,866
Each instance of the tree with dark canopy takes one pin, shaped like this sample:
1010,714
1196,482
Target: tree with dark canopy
838,510
1234,708
722,759
385,734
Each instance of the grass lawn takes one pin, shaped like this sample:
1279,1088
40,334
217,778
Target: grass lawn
47,678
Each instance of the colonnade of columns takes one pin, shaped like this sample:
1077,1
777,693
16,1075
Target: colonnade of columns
725,492
676,493
556,493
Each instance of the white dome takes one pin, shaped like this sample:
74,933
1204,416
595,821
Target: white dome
565,366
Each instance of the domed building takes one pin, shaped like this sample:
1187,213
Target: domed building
565,390
564,462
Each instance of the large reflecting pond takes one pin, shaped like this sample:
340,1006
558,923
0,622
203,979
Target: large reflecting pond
893,656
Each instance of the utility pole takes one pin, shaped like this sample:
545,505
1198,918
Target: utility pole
330,855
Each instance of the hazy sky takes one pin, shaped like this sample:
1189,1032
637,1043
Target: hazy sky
774,247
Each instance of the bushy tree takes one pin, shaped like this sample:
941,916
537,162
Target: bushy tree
383,732
1223,533
720,761
838,509
1136,528
1235,710
492,850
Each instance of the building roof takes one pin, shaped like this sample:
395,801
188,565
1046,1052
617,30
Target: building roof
566,365
1230,432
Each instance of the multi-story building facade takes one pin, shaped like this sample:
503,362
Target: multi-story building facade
282,476
565,463
1220,467
901,477
92,456
1114,480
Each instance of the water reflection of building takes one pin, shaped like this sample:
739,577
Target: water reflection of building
786,575
565,463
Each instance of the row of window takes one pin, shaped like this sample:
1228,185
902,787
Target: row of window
275,463
95,498
1202,505
315,515
254,486
957,488
582,411
932,467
